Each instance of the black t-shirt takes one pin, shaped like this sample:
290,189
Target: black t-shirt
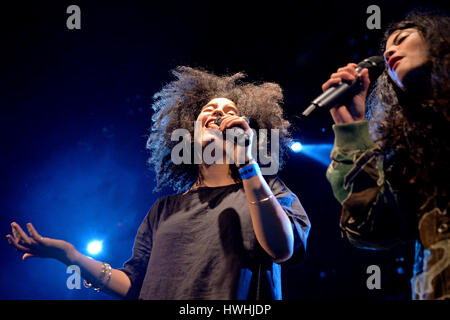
201,245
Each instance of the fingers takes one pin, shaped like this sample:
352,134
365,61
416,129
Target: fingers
34,234
233,121
13,242
28,256
347,73
15,232
364,76
20,240
20,235
225,120
344,75
350,67
24,243
331,82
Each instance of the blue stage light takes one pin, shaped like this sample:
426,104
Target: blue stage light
94,247
319,152
296,146
401,270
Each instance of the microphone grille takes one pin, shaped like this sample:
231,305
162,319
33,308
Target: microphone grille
375,64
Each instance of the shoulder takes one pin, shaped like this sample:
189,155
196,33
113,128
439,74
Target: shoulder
286,197
276,184
160,206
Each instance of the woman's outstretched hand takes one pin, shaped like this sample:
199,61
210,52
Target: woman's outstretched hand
34,245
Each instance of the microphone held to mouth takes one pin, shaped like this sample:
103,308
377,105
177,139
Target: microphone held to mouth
218,121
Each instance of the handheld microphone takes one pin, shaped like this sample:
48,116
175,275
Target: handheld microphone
218,121
238,132
338,94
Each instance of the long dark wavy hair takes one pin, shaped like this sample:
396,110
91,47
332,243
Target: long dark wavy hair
412,126
179,103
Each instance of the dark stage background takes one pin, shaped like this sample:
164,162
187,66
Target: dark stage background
76,108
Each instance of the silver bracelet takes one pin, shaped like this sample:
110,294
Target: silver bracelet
106,276
262,200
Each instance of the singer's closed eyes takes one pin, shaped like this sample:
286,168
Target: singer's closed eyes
393,183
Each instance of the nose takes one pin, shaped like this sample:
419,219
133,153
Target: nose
218,113
389,53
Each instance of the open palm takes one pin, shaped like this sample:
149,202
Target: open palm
35,245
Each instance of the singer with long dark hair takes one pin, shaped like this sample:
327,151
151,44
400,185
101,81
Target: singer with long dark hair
228,228
391,171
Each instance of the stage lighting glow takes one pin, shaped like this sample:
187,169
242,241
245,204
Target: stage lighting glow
94,247
319,152
296,146
400,270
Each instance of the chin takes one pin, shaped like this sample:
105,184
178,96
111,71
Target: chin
417,81
207,139
397,79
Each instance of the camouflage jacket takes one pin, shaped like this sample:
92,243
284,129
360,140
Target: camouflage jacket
376,216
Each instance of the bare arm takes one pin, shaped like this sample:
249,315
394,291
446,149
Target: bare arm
271,224
118,284
37,246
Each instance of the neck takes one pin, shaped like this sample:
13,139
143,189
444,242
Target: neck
418,84
215,175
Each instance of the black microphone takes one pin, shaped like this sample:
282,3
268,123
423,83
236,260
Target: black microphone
338,94
218,121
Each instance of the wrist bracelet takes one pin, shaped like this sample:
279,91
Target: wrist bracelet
106,276
249,170
262,200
